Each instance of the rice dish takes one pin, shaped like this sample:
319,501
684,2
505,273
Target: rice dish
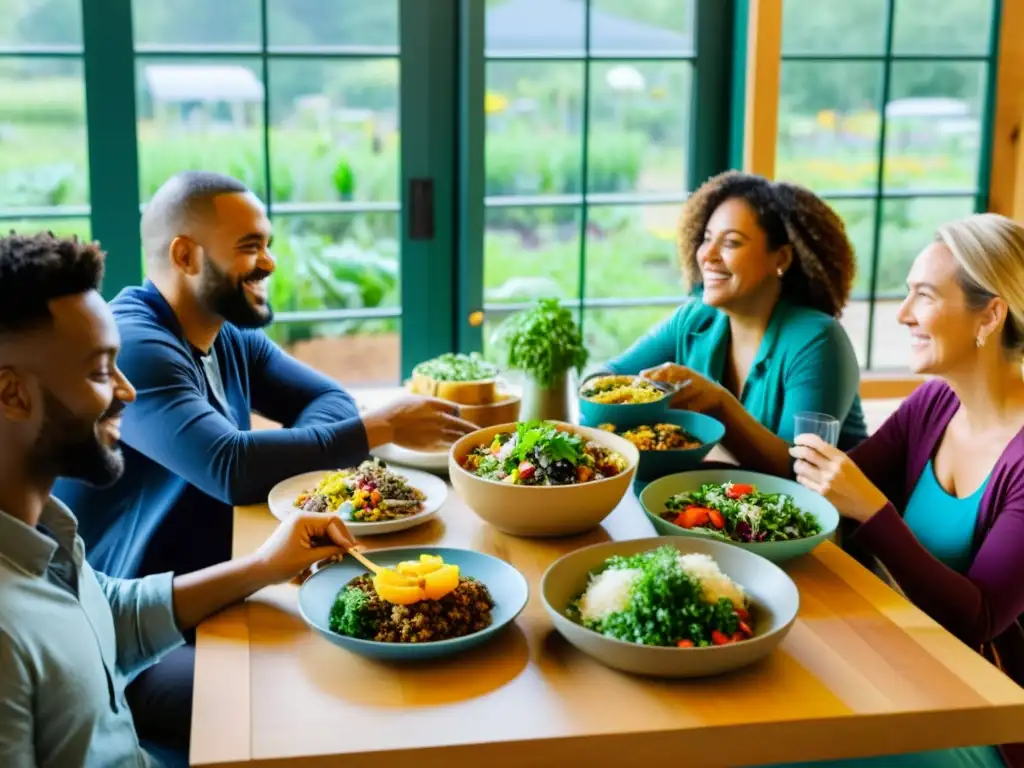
621,390
657,437
664,598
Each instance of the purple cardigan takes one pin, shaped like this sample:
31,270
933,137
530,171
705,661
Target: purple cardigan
984,607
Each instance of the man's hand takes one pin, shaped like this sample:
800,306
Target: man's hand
417,423
302,540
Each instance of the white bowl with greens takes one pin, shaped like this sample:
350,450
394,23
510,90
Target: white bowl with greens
773,517
670,606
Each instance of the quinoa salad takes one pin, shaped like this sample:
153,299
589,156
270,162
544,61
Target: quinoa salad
370,493
664,598
620,390
656,437
417,602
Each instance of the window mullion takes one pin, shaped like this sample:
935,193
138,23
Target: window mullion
113,152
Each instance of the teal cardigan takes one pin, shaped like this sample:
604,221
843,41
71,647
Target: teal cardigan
805,363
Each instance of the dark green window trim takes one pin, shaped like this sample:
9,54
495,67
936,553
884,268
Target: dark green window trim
428,104
711,96
470,209
429,68
878,193
709,149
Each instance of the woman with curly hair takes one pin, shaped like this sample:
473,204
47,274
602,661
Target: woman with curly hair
771,268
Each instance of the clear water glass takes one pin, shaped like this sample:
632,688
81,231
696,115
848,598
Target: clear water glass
821,424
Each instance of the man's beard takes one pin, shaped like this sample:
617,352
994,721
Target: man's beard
228,299
69,446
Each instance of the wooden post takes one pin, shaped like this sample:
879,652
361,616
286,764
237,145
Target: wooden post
1006,184
764,62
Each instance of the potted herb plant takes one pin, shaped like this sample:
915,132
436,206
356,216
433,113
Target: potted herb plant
544,343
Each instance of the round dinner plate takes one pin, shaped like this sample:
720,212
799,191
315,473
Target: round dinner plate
432,461
508,588
283,495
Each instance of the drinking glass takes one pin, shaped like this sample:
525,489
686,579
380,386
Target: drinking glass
821,424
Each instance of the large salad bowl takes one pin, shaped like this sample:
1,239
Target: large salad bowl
542,511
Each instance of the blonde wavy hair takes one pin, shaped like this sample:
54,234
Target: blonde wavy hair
823,260
989,254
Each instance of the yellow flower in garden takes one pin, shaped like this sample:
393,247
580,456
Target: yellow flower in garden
826,119
494,103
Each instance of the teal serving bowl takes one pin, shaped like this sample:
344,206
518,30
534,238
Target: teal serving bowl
656,464
595,414
654,497
507,586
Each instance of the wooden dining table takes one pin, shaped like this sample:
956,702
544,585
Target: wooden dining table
862,672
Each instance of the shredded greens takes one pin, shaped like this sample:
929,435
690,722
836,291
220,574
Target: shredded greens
666,605
351,614
739,512
457,367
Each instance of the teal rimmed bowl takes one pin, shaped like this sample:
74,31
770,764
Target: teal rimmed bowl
655,495
508,588
595,414
656,464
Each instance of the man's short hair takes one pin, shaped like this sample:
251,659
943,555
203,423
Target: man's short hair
36,269
181,200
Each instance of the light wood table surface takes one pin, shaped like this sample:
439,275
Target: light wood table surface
862,672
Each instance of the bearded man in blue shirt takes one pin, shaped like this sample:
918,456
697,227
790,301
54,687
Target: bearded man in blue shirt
193,347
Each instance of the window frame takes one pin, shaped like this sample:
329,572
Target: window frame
878,194
428,64
710,148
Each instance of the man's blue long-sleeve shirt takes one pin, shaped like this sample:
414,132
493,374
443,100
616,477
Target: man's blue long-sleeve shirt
190,458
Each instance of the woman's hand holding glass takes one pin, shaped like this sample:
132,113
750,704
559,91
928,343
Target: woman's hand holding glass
825,469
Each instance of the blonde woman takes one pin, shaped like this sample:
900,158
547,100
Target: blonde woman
937,494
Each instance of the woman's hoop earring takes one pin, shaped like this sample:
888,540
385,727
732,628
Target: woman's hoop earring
979,342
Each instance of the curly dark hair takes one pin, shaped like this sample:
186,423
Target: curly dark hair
36,269
823,260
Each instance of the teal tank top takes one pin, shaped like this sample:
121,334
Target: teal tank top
943,523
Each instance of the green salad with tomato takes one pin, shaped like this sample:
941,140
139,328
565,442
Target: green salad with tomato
739,512
542,453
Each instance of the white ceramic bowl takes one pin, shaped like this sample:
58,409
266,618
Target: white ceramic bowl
542,511
774,597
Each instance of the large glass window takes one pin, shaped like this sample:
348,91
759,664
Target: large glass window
885,111
300,101
588,117
44,166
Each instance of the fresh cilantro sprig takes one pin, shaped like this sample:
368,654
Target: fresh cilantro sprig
549,440
543,342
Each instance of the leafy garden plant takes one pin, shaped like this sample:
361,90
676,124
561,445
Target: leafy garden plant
544,342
